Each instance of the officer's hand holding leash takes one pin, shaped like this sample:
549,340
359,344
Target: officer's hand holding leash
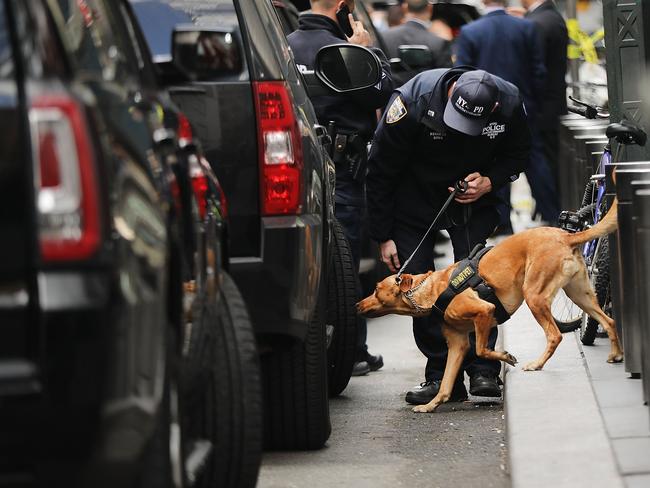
388,249
388,253
360,35
477,186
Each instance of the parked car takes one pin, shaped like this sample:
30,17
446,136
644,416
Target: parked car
371,270
115,302
242,92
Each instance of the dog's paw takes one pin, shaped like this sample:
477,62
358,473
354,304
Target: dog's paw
532,366
509,358
615,358
423,409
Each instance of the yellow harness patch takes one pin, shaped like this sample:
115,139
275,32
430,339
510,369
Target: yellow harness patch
460,278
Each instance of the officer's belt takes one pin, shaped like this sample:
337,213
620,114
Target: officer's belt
465,276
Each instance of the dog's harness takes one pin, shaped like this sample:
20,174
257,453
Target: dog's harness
464,276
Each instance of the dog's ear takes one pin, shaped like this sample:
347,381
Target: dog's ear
406,281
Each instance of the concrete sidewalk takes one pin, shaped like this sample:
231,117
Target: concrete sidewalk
579,422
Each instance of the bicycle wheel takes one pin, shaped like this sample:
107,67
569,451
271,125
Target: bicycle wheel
599,278
567,315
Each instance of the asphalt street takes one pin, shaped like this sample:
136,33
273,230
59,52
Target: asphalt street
377,441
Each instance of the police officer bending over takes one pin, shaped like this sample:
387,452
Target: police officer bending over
351,120
443,126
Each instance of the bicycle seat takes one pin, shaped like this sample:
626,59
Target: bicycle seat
626,133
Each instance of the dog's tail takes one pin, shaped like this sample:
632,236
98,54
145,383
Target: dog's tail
606,226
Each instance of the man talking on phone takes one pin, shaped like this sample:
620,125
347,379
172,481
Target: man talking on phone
351,120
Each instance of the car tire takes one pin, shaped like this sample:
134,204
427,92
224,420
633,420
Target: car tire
341,312
229,409
296,404
156,468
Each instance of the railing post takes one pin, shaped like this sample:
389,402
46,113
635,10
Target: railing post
627,59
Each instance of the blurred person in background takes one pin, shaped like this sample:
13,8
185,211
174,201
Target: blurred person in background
440,28
552,29
395,15
511,48
354,118
415,31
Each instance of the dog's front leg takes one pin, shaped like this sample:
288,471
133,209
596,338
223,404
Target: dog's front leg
458,345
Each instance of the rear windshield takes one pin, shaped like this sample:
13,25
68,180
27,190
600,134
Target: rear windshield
158,18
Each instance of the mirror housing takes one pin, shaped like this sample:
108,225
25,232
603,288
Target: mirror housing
206,53
347,67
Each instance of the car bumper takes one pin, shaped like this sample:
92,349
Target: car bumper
281,287
53,388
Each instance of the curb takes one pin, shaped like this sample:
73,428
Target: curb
555,432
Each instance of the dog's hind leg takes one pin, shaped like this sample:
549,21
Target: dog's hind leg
458,345
580,292
539,294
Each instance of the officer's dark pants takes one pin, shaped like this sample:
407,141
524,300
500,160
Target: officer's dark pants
349,216
427,330
551,143
542,182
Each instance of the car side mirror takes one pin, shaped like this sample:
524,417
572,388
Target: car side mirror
416,56
347,67
206,53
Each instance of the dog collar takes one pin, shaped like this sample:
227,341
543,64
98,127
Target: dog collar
411,299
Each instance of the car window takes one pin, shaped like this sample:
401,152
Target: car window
157,20
159,17
94,40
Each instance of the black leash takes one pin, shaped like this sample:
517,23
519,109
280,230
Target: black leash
460,187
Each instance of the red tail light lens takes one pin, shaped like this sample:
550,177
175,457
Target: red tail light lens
185,135
65,180
199,184
280,150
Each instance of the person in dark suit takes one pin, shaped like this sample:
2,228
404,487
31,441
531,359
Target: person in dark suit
552,29
415,31
511,48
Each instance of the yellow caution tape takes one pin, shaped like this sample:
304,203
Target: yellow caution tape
583,45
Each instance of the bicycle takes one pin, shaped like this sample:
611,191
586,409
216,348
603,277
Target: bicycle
567,315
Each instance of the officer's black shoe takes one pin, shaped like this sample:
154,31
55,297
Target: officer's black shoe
375,362
429,389
484,385
360,368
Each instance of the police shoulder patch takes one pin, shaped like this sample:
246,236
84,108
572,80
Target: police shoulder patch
396,111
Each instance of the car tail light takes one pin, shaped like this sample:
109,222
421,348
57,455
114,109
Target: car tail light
184,132
280,149
65,180
199,184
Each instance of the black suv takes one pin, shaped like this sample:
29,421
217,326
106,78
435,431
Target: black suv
118,318
250,109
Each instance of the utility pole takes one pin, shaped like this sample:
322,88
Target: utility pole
627,60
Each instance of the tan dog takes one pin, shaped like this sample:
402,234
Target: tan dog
531,265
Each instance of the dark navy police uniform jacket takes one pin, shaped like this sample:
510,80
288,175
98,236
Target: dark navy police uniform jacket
415,157
354,112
